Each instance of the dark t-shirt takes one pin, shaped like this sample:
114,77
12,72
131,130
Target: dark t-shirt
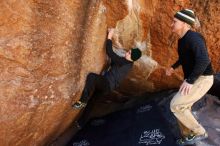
193,56
119,67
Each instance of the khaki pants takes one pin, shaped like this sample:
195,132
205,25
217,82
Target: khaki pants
181,104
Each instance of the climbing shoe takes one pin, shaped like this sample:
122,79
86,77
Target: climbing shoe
79,105
191,139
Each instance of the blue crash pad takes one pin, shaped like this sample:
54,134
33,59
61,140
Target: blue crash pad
142,125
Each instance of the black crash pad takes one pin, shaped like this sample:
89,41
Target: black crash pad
142,125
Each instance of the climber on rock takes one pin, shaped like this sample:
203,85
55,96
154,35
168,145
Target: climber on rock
120,66
198,75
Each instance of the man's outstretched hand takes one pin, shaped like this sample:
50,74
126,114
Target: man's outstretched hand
110,33
169,71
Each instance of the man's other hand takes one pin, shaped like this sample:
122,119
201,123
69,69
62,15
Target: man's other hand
185,88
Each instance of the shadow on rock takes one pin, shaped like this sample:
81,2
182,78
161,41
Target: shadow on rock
216,85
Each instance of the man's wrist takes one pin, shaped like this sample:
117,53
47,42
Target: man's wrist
190,81
109,36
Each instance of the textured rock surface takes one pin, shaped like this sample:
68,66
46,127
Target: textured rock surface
48,47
